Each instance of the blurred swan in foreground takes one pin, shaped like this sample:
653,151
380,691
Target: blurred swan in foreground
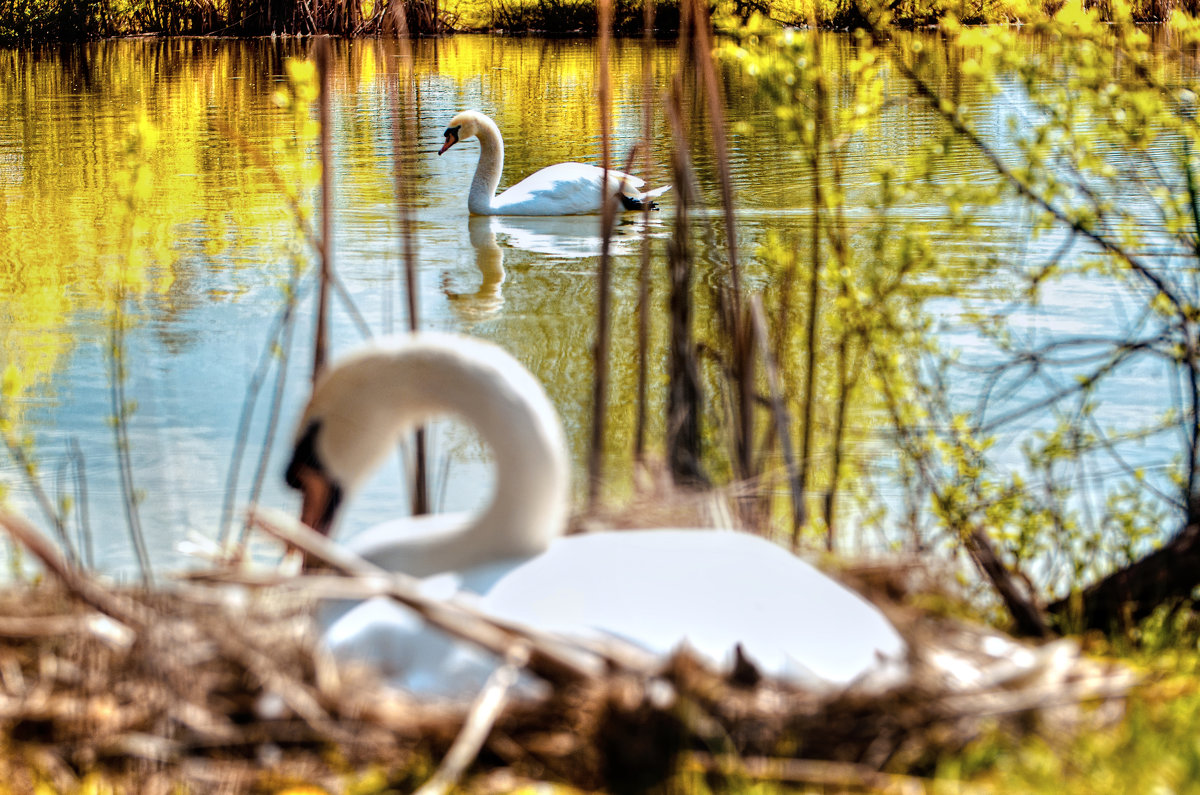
658,589
561,189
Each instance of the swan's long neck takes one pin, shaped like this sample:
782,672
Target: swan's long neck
506,405
487,173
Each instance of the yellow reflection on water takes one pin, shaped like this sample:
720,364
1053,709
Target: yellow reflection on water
229,156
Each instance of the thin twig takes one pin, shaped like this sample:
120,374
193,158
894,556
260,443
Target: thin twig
81,504
79,584
1022,606
17,452
403,123
760,334
100,626
604,271
815,772
321,342
847,378
960,127
479,722
117,355
554,659
643,332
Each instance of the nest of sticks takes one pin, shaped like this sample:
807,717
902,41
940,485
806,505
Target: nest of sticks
218,684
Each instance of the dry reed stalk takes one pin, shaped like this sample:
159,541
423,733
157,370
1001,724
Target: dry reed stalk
484,713
758,332
702,51
321,50
742,353
643,323
696,47
600,352
403,122
44,503
684,393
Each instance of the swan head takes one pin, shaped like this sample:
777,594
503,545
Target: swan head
335,450
463,126
362,406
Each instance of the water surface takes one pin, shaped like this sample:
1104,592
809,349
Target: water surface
224,242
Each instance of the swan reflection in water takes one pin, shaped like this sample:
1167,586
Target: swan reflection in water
558,237
489,259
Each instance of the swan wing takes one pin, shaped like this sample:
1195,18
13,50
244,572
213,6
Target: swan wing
399,544
411,656
710,590
563,189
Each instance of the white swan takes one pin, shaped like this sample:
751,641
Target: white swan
658,589
561,189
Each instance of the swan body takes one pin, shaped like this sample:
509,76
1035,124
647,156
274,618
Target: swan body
658,589
561,189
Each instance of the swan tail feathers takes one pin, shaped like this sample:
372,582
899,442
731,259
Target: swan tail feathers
641,201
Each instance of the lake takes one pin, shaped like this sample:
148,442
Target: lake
222,241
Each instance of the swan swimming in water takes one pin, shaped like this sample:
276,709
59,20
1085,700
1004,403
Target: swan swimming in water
658,589
561,189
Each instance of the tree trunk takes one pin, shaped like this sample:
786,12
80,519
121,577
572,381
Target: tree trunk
1125,597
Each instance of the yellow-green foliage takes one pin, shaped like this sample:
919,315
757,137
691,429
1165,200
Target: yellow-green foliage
1151,747
297,98
1105,152
862,302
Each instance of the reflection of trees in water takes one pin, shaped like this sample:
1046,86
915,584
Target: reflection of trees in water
214,223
